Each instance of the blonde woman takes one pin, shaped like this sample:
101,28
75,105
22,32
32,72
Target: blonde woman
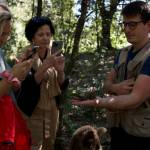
14,134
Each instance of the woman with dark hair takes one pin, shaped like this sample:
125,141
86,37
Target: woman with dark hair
37,96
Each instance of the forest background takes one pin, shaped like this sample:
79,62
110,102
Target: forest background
92,35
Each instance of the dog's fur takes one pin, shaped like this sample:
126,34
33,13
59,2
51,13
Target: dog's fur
87,138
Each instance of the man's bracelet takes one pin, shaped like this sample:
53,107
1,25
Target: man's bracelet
97,101
11,78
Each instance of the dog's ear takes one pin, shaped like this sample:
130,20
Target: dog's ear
88,139
101,131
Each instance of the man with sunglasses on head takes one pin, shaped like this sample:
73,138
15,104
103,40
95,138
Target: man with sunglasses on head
128,84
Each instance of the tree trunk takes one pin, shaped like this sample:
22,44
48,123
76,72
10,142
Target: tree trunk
77,36
75,50
97,27
106,14
61,100
39,8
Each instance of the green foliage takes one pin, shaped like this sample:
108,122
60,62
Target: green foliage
61,13
64,17
21,13
117,36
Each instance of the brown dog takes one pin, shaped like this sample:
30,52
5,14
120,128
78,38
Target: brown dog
87,138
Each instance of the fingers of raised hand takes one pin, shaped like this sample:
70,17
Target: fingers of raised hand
22,68
25,54
60,59
56,53
130,81
49,62
21,58
75,101
27,64
129,84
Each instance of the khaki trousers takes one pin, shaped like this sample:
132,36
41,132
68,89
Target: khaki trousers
43,125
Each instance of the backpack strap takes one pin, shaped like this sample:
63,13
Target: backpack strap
123,55
139,58
120,67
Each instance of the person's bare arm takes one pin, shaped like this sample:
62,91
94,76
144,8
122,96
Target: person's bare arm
139,94
61,77
121,88
19,71
60,65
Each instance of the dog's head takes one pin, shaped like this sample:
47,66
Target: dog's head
87,138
